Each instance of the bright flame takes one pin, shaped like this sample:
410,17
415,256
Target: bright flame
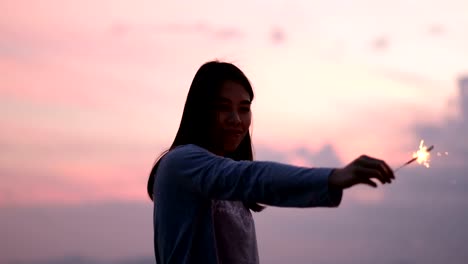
422,154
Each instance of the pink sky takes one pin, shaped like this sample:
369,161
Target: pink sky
92,91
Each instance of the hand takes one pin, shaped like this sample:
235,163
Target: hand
361,170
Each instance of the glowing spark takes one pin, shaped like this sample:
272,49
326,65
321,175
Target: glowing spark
422,155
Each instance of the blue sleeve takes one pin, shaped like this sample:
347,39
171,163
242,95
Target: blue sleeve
203,173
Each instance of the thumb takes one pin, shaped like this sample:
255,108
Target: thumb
370,183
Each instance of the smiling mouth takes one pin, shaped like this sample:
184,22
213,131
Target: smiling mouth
234,133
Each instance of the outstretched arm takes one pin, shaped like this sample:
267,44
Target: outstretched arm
271,183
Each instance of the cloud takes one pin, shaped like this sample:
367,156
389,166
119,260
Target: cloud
410,78
199,28
53,166
265,152
103,232
88,260
70,88
77,45
450,134
75,176
277,35
86,67
120,29
324,157
421,213
437,30
381,43
26,186
365,195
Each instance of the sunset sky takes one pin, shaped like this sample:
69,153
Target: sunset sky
92,91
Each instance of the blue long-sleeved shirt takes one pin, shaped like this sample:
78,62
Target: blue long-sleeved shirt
189,178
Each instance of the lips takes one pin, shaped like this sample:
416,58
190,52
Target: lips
234,132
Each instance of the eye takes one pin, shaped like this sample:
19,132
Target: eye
245,109
223,107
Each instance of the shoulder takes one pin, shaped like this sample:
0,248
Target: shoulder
185,151
182,163
185,155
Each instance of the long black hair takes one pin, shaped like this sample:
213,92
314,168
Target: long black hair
198,115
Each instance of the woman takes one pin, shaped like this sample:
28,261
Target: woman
205,185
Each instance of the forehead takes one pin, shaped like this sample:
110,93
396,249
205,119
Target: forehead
234,92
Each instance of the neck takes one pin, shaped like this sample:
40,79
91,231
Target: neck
218,152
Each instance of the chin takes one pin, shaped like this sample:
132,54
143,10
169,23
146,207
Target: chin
229,148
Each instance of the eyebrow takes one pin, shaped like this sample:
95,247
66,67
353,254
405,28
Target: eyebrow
226,100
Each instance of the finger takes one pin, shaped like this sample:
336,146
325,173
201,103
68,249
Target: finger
388,171
372,163
370,183
366,174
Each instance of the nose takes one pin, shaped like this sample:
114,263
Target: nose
234,118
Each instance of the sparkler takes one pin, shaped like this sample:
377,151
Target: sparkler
421,156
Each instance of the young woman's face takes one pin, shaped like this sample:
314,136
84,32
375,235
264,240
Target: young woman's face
232,108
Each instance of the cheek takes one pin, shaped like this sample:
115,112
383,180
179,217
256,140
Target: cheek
221,119
247,119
